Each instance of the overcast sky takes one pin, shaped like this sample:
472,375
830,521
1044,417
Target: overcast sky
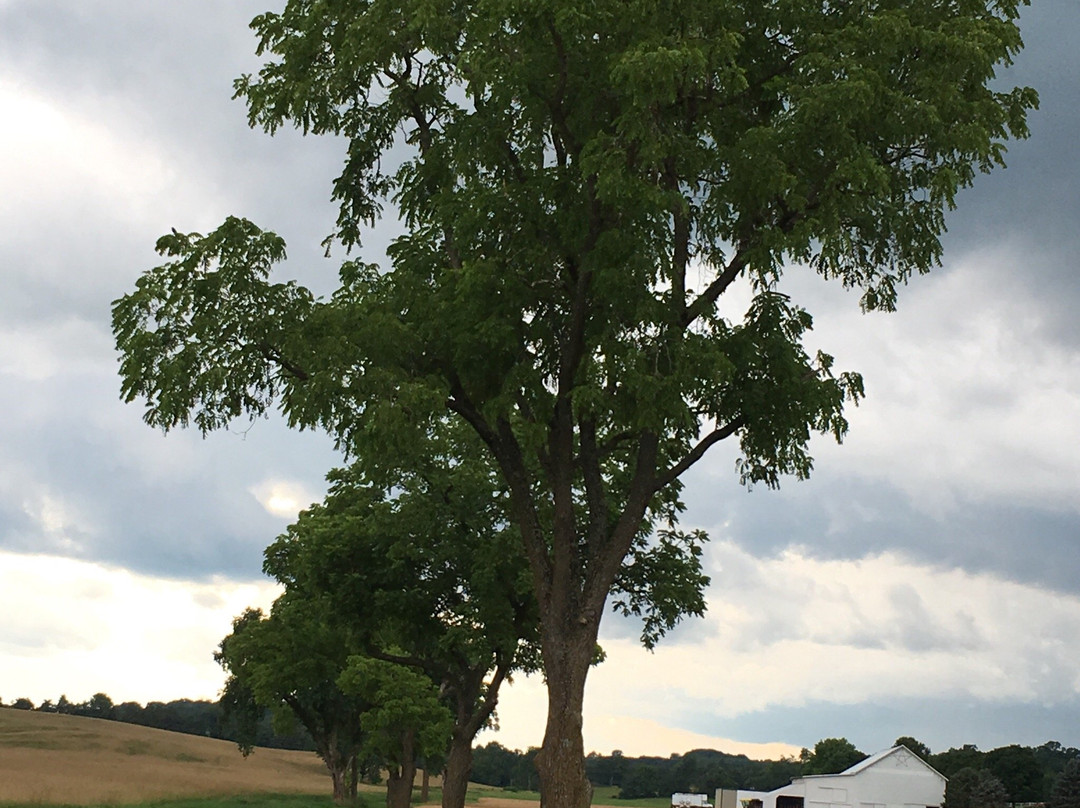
925,581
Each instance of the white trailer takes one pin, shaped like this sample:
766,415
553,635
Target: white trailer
679,800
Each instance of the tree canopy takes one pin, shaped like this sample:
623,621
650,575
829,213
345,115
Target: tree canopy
974,788
831,756
915,746
580,186
427,573
290,661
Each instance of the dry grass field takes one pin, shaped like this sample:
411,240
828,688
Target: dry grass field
47,758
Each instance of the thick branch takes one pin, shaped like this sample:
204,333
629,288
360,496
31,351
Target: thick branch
508,455
695,454
707,299
491,699
595,497
609,560
274,355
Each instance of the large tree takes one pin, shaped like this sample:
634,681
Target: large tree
580,186
1018,770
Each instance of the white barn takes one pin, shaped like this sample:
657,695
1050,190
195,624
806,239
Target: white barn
895,778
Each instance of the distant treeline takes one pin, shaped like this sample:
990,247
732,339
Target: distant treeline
206,718
700,771
1027,773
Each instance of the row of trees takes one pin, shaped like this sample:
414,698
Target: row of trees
546,354
192,717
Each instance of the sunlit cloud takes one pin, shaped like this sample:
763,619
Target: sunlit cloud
96,628
283,498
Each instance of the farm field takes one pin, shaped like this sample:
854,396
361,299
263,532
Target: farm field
52,759
47,759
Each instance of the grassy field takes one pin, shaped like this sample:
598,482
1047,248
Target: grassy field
48,759
51,759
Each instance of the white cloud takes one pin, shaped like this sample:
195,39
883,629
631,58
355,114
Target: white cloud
85,628
969,395
793,630
53,159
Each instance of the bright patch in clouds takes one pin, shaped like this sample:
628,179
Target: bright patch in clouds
283,498
522,712
93,628
46,151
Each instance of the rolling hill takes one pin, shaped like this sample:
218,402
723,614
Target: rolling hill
47,758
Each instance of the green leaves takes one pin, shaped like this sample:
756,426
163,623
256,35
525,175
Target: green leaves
207,336
662,582
403,702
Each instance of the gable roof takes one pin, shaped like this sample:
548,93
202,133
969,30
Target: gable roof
873,760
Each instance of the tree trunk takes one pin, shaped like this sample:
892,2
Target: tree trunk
561,761
425,782
338,765
339,774
456,774
399,784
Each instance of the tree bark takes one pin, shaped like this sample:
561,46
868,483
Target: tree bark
568,654
337,764
456,774
339,769
399,783
425,782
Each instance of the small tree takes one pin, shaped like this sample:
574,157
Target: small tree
98,706
290,662
405,720
974,788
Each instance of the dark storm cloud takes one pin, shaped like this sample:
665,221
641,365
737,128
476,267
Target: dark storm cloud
832,516
1036,200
